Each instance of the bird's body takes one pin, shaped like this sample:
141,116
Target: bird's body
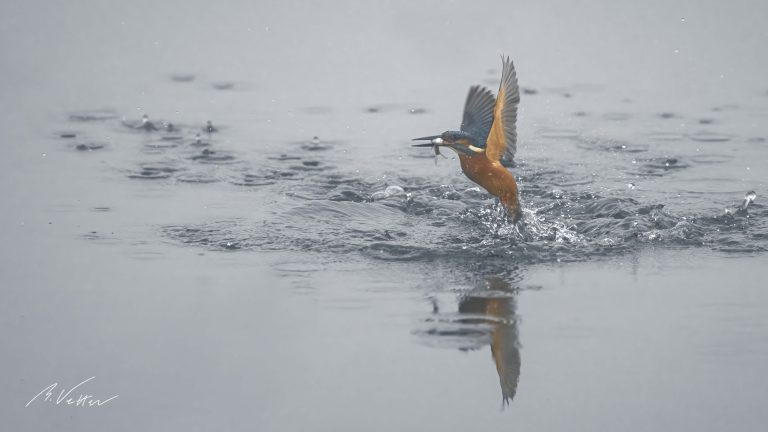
488,135
494,178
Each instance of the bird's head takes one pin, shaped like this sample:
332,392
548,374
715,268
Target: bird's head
460,141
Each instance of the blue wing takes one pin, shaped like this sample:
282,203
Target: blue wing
478,114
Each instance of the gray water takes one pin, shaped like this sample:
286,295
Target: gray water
304,268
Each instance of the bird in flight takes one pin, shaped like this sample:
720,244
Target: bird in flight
488,136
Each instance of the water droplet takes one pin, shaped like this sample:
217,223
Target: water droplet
677,51
315,140
748,199
631,186
682,20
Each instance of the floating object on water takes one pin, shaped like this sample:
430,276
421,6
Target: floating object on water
488,138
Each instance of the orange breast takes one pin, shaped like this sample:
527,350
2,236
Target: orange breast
492,176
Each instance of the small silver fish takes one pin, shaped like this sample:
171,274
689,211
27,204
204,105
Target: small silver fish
436,148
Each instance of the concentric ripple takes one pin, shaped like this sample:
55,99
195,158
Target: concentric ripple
569,211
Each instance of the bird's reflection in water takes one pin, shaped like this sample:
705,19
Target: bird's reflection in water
486,315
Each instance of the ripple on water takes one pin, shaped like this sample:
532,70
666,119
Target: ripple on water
711,158
298,267
208,156
576,229
616,116
99,237
199,178
227,85
395,252
161,144
705,136
559,133
665,136
225,235
183,78
263,177
153,172
96,115
413,219
284,157
417,110
316,144
613,146
89,146
659,166
309,166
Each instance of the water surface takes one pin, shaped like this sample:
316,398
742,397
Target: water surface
302,267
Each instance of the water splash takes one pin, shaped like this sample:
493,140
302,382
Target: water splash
749,198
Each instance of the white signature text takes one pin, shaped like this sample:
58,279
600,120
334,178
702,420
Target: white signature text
67,397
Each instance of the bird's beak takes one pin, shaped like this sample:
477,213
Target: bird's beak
433,141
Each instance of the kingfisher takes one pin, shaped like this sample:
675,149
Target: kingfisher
487,137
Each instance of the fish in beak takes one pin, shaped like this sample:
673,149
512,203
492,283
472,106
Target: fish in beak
435,141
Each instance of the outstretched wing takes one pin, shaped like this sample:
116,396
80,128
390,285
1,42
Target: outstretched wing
478,113
502,138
